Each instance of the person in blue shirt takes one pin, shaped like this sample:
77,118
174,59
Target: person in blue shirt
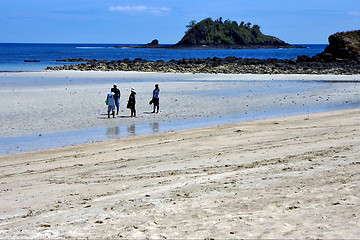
155,98
117,98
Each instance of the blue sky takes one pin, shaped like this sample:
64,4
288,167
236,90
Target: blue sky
141,21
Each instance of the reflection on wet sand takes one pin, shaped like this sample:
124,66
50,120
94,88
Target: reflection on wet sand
113,132
131,130
155,127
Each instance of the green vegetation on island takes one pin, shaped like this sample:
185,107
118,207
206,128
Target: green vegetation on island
226,34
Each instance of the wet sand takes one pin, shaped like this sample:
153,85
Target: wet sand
286,177
40,103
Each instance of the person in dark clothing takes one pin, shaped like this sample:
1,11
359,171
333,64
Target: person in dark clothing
117,98
155,98
131,103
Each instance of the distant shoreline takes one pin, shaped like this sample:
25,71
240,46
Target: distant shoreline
208,47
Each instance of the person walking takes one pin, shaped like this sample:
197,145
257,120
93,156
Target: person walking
155,98
110,101
131,102
117,98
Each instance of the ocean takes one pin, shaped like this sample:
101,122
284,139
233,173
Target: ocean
13,55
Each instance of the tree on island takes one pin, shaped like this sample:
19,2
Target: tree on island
192,24
226,33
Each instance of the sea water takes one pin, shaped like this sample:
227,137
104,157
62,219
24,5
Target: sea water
13,55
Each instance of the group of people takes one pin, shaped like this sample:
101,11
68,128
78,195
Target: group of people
113,101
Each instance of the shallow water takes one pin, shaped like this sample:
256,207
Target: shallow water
61,139
249,91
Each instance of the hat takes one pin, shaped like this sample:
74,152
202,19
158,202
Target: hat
133,89
115,85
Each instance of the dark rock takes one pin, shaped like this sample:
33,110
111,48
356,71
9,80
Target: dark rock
72,60
31,60
344,45
303,58
323,57
154,42
231,65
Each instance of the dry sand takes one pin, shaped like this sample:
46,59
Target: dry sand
289,177
293,177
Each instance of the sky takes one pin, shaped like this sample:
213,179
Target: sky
141,21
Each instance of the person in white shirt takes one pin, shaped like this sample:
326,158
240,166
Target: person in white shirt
110,99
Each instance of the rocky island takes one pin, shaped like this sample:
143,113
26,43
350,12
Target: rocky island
219,34
226,34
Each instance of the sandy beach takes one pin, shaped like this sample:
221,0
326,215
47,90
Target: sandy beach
285,177
295,177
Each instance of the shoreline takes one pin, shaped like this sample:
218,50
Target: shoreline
207,47
185,131
193,76
34,142
287,177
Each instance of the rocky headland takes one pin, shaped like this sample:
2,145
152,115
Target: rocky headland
219,34
342,56
344,45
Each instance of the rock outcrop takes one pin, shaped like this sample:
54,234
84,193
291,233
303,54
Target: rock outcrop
344,45
27,60
229,65
154,42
